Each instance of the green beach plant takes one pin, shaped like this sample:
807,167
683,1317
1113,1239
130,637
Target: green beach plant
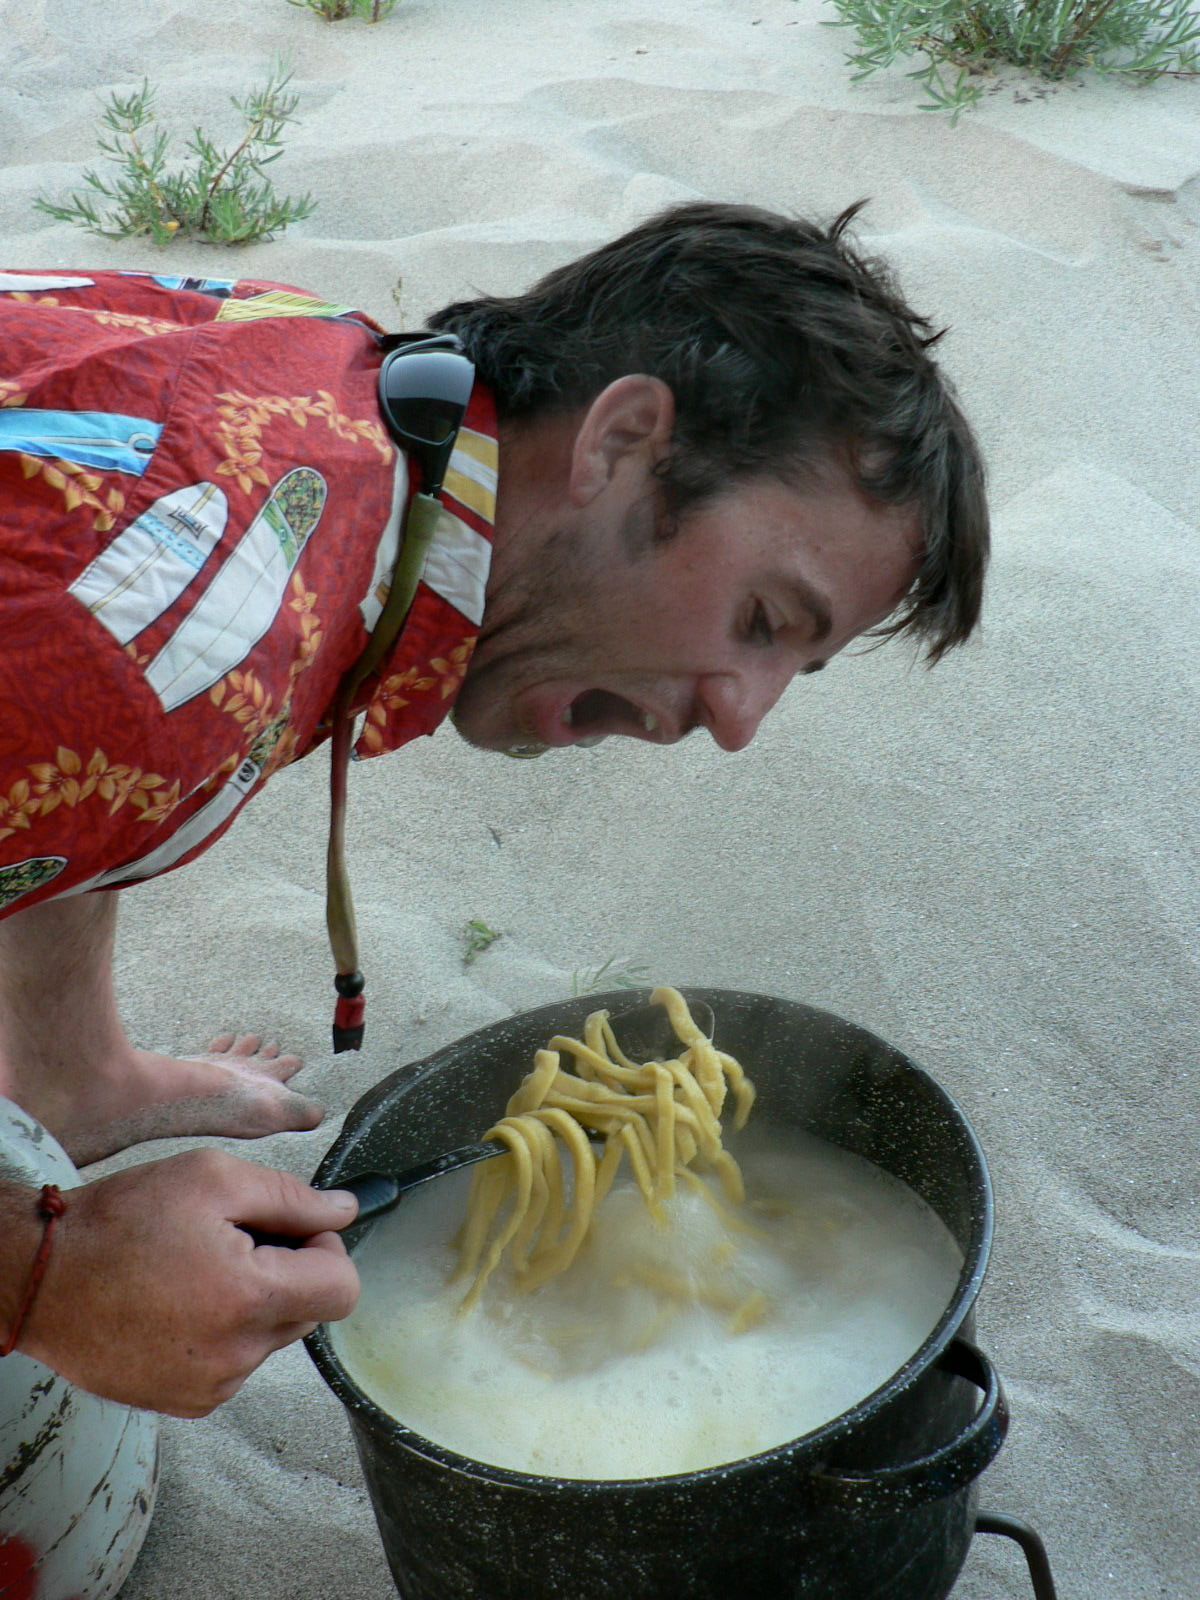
477,937
618,972
219,195
1139,40
339,10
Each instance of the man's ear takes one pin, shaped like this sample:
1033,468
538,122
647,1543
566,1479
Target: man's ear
627,426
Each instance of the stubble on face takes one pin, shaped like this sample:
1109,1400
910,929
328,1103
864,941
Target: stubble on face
550,617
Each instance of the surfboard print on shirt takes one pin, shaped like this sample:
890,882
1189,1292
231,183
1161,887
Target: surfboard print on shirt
372,603
244,598
150,564
27,282
23,877
108,440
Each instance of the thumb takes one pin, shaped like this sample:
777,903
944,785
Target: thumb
282,1203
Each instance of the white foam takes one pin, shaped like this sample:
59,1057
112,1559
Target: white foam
564,1381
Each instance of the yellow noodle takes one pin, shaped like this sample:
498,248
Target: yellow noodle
609,1042
664,1116
513,1136
641,1170
750,1313
539,1202
556,1256
664,1121
732,1220
613,1150
534,1088
488,1186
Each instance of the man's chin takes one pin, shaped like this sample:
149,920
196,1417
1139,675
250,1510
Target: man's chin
521,748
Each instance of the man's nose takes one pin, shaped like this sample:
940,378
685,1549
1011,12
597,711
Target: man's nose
731,708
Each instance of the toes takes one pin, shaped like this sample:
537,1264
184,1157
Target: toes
304,1113
241,1044
281,1068
246,1054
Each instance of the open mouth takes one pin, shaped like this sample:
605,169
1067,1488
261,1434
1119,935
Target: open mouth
597,713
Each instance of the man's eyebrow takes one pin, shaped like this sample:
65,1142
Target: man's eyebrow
817,606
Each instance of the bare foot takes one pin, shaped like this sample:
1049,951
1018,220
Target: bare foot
238,1089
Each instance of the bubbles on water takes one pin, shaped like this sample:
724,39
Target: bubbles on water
604,1373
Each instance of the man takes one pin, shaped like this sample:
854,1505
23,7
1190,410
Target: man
724,453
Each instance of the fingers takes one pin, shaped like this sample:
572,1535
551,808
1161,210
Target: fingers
278,1202
317,1283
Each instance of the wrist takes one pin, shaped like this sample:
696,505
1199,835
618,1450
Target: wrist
20,1236
49,1207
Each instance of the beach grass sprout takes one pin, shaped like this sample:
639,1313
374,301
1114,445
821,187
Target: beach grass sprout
1139,40
221,195
340,10
618,972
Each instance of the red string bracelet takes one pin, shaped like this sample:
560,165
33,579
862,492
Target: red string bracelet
50,1207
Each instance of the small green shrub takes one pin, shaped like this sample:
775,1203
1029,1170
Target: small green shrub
219,195
1137,39
477,937
339,10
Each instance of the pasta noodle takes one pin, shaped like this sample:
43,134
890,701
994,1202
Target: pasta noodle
664,1116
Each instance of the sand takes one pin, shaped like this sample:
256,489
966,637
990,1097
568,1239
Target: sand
993,865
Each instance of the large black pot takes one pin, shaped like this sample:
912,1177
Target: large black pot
879,1502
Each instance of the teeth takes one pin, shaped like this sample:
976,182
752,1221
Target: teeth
647,719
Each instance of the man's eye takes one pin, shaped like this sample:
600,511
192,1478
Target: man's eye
761,630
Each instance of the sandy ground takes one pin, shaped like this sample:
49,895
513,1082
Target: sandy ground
993,865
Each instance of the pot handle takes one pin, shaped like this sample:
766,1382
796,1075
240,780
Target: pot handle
945,1470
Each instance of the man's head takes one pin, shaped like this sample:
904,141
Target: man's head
743,387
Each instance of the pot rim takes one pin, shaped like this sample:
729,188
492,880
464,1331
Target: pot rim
363,1409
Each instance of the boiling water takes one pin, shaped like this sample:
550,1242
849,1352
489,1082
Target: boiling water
626,1365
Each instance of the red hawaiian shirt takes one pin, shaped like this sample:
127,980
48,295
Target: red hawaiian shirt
200,509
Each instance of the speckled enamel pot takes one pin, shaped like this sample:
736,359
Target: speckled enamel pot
879,1502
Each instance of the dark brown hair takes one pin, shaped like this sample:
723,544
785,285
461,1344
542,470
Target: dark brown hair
783,348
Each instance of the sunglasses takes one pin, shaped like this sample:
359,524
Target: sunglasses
424,387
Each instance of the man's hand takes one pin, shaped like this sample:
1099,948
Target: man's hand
156,1296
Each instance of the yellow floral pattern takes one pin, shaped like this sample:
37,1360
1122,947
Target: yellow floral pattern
244,417
452,669
79,486
66,781
106,319
125,319
393,693
272,743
